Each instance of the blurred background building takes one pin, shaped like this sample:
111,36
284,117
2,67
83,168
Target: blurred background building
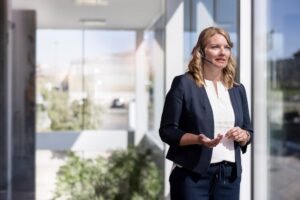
90,76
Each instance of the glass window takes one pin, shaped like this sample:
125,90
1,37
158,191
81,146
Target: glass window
85,79
200,14
154,40
277,77
283,83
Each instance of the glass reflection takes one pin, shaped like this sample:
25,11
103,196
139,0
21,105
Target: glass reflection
199,14
284,98
85,79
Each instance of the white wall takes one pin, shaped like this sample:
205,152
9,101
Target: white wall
259,105
174,40
174,57
245,79
102,140
141,92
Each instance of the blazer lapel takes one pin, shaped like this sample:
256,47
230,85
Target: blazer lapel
238,114
232,94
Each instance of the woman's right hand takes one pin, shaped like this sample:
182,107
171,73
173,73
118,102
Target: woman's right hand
210,143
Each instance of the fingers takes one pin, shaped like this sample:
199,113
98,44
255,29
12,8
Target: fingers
236,134
210,142
203,139
219,136
218,139
232,133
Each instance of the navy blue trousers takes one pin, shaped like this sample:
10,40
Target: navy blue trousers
219,183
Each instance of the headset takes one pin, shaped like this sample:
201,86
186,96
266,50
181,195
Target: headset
203,56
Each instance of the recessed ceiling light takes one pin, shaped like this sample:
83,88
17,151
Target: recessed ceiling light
92,2
93,22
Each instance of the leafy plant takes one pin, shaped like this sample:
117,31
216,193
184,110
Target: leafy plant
124,175
70,116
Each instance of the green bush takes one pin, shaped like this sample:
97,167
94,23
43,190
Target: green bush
65,115
124,175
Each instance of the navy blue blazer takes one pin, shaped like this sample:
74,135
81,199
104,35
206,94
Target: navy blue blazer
187,110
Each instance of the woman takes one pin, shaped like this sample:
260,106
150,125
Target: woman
206,122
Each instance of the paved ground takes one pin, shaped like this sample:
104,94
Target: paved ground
285,177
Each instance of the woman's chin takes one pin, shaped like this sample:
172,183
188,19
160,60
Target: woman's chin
220,66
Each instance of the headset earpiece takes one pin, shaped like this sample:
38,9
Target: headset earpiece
202,53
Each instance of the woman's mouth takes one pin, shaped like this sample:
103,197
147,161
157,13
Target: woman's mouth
221,60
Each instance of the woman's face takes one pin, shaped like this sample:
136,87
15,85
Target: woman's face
217,51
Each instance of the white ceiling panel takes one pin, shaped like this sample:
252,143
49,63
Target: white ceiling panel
118,14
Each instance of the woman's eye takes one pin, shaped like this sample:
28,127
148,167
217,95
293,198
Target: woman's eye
220,47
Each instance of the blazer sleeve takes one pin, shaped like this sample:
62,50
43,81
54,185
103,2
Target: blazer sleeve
247,125
169,131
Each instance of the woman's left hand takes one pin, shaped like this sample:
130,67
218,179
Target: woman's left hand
239,135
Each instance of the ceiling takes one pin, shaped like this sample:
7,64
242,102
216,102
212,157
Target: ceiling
118,14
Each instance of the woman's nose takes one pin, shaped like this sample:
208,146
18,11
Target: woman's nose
223,50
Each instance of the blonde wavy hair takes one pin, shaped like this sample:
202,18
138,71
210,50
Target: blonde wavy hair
196,64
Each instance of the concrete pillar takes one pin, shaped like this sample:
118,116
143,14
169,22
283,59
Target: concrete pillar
140,88
245,78
23,105
260,158
174,58
3,102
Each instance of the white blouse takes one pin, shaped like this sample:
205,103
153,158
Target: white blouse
223,120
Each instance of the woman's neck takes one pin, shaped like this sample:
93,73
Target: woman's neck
212,74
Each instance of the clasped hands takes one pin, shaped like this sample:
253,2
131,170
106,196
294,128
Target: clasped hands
237,134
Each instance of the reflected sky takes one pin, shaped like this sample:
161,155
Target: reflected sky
285,22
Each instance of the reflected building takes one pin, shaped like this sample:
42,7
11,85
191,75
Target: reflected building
288,72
